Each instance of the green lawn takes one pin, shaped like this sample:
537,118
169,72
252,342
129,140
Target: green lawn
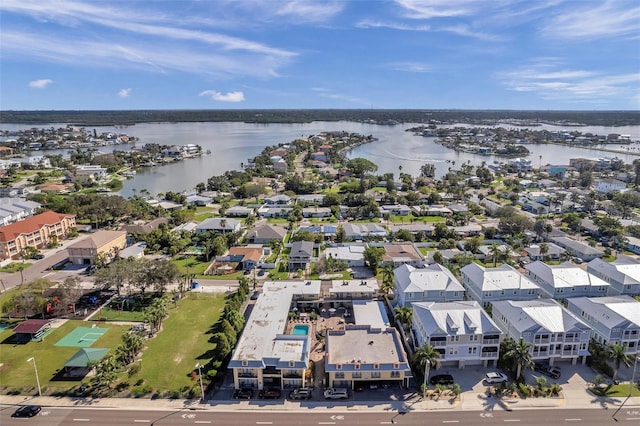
426,250
620,390
16,372
190,264
15,267
114,315
183,342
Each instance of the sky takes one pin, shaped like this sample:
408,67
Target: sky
265,54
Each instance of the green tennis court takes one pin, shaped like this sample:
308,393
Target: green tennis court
82,337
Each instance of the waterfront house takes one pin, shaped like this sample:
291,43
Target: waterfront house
554,333
565,280
434,283
609,185
623,274
462,332
613,320
93,172
488,285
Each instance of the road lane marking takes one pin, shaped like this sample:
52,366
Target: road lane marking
203,421
512,420
572,420
633,418
142,421
81,420
326,423
264,423
451,421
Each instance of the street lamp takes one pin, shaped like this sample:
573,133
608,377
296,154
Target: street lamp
33,359
199,367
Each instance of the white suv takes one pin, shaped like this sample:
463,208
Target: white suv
495,378
336,393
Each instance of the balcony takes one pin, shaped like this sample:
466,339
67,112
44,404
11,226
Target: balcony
489,354
247,375
490,341
438,343
292,375
271,372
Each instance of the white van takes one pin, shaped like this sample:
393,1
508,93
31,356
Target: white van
336,393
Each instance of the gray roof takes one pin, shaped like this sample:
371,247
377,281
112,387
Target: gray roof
610,311
539,315
215,223
552,250
502,277
435,277
301,249
453,318
364,345
623,270
267,232
564,275
576,246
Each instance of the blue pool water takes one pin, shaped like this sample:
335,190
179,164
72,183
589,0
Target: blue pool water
300,329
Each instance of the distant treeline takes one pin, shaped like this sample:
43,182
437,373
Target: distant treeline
125,118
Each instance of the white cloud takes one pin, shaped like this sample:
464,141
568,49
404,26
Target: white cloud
427,9
550,83
368,23
308,11
125,93
40,84
224,97
410,66
584,21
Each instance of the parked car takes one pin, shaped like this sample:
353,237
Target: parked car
553,372
27,411
495,378
442,379
39,256
243,393
269,393
300,393
255,295
336,393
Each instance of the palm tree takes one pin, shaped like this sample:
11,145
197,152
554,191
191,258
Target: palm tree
495,252
618,354
544,249
426,357
404,316
520,355
387,278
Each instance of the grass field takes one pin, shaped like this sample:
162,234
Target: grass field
190,264
620,390
183,342
16,372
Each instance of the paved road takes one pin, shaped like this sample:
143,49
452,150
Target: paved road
108,417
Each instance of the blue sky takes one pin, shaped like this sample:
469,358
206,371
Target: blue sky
224,54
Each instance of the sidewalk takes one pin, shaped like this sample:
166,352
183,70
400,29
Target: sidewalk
468,401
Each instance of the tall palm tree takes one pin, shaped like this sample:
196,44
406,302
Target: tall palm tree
520,355
387,278
618,354
544,249
495,252
428,358
403,315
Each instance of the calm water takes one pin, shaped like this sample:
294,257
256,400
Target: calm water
233,143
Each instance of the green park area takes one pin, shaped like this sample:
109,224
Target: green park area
17,373
167,360
171,356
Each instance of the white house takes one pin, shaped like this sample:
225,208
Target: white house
434,283
623,274
462,332
555,334
565,280
609,185
487,285
353,254
218,224
613,320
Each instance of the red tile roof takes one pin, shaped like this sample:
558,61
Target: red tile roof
30,225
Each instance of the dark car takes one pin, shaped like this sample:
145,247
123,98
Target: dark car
244,393
442,379
255,295
39,256
553,372
269,393
27,411
300,393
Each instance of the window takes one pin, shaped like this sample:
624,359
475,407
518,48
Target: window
338,366
357,366
453,351
375,375
395,374
396,365
473,338
376,366
339,375
292,364
245,363
473,350
454,338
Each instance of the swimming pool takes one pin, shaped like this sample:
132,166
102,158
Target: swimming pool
300,329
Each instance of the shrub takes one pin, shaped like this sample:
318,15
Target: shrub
524,390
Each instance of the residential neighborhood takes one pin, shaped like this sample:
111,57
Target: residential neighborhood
306,270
